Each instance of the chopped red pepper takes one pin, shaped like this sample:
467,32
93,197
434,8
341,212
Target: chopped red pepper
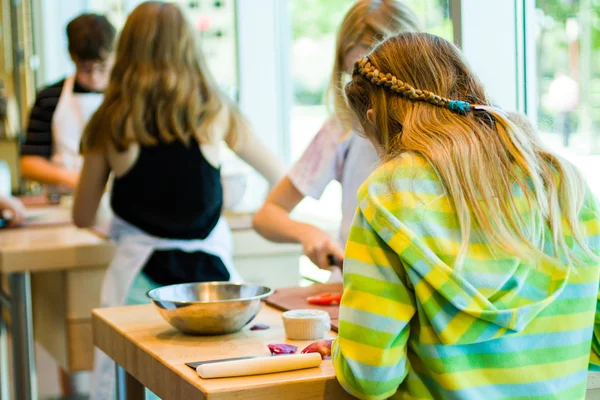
282,348
325,299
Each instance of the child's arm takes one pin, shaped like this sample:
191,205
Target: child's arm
88,194
310,176
273,222
370,353
254,151
40,169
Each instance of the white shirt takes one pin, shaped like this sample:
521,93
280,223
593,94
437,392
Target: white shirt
335,154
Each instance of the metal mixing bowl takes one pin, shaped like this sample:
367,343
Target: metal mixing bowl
209,308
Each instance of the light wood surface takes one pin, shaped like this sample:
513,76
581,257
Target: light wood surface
62,311
67,266
49,310
51,248
154,353
80,345
83,291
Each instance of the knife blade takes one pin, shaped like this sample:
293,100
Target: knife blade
195,364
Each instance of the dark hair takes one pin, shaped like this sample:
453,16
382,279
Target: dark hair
91,37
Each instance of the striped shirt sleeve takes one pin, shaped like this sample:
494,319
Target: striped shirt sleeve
38,141
370,353
594,365
589,216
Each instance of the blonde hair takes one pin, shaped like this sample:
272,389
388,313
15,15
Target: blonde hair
365,24
160,90
425,99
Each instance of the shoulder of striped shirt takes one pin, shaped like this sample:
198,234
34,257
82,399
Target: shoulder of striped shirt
54,90
406,165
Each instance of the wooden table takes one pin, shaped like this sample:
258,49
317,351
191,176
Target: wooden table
154,354
37,249
48,263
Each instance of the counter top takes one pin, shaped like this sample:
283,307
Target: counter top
51,247
154,353
49,241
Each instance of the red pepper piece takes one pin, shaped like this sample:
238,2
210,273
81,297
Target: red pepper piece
282,348
325,299
322,347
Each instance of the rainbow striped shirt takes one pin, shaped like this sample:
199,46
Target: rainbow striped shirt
412,328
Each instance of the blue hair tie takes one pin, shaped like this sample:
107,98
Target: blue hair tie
459,106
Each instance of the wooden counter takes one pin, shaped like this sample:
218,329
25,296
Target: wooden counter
67,265
51,248
154,353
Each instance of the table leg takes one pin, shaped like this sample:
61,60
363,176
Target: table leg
128,388
4,373
25,377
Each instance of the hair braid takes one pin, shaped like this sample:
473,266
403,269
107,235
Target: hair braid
368,70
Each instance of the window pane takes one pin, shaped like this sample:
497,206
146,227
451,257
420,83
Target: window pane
314,25
214,23
568,79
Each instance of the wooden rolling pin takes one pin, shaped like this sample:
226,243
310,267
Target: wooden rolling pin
258,366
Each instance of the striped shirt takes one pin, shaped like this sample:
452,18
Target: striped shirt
412,328
39,141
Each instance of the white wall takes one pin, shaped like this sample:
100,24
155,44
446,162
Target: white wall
487,34
55,61
264,78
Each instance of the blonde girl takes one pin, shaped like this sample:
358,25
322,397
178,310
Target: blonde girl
472,266
158,132
336,152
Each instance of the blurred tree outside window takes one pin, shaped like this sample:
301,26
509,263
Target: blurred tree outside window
568,80
314,26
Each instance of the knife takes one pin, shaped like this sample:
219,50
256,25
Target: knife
195,364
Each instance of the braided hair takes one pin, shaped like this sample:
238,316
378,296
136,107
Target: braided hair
389,81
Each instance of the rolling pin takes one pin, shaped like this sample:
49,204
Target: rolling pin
258,366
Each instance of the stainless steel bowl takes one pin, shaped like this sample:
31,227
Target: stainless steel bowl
209,308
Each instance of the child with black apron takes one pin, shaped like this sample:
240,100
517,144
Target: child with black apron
158,132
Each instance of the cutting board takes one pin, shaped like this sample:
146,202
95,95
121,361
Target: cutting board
36,201
295,298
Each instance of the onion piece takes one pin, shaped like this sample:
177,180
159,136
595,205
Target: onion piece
282,348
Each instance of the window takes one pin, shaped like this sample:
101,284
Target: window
314,26
568,80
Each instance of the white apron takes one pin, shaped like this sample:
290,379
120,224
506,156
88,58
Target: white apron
72,114
134,248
